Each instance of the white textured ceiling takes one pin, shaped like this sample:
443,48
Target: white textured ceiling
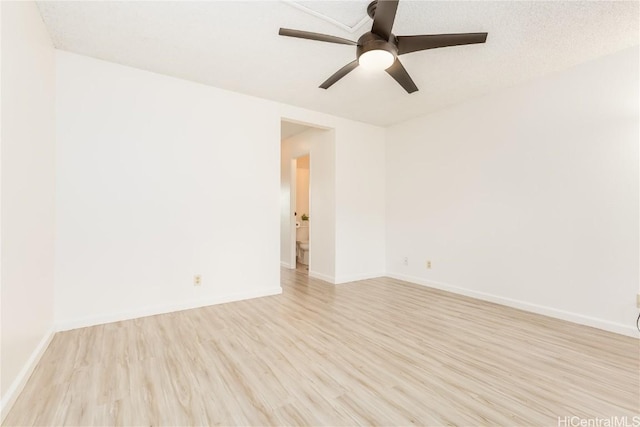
235,45
348,15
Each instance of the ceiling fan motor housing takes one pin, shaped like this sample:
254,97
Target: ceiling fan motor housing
370,41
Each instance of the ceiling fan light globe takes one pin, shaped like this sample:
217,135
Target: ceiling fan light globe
376,59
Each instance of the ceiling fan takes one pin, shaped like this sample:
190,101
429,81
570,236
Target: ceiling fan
380,48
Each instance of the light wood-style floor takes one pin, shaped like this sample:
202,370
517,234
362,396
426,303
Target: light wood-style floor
375,352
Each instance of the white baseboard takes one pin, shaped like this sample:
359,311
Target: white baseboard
14,390
581,319
66,325
356,277
344,279
321,276
286,265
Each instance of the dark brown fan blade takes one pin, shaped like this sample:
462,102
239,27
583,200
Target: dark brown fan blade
398,72
314,36
407,44
384,16
339,74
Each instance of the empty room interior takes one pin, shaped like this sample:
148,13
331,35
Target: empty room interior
326,213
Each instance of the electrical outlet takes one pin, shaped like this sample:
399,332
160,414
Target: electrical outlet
405,261
638,300
197,280
428,264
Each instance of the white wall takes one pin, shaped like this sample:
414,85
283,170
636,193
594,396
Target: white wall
528,197
27,190
360,203
159,179
150,192
287,188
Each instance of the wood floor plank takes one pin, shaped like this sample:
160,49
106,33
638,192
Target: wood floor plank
373,352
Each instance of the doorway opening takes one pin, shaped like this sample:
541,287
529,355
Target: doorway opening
307,214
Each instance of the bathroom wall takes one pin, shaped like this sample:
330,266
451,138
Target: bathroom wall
302,187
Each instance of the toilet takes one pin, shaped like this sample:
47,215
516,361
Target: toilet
302,243
302,252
